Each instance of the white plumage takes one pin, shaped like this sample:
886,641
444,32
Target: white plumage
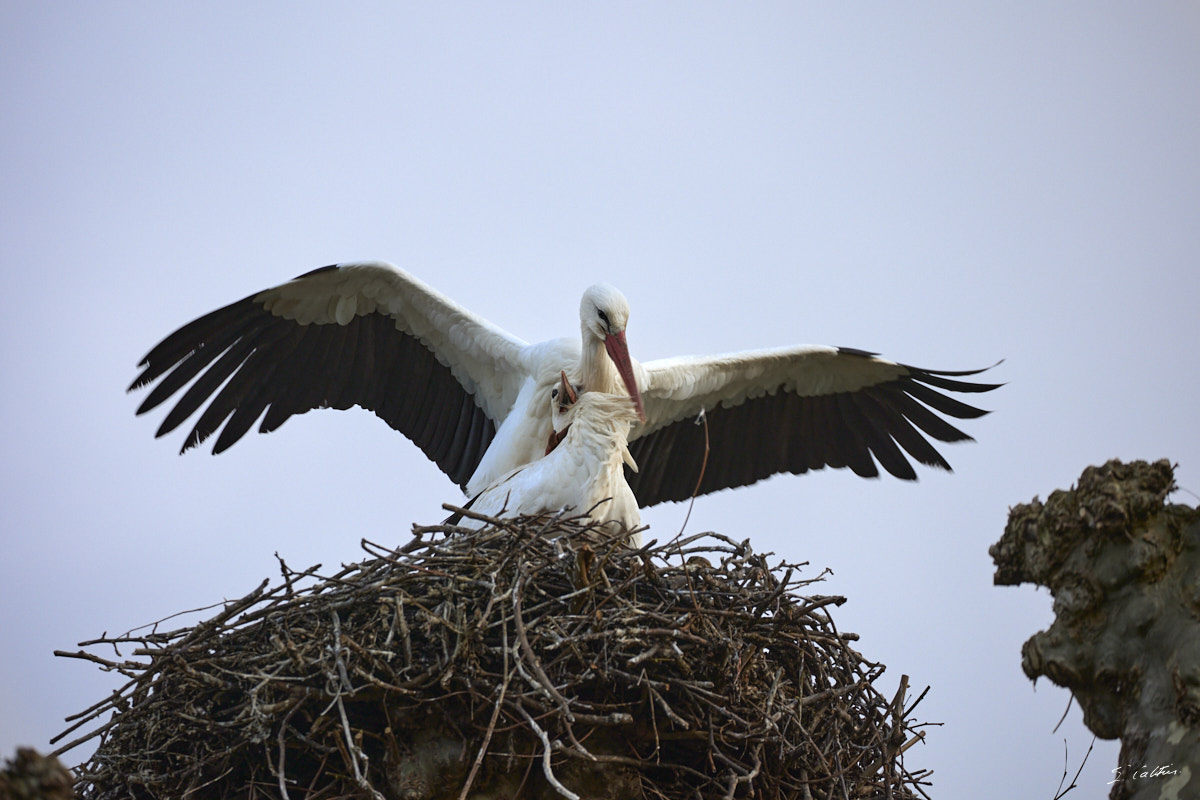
583,473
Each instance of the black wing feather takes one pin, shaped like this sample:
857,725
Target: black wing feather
290,374
890,419
940,402
877,431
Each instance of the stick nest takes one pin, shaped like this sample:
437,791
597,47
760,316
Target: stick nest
539,658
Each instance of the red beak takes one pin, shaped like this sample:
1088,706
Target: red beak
568,391
618,351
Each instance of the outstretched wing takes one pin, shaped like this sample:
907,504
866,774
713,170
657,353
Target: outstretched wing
365,334
789,410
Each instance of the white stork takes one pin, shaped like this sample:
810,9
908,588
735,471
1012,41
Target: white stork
472,396
583,472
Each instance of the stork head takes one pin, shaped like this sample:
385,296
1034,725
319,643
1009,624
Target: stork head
603,315
603,311
562,400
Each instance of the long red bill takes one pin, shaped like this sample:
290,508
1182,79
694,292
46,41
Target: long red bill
618,351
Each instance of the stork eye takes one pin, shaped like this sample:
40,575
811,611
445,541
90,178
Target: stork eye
553,394
603,317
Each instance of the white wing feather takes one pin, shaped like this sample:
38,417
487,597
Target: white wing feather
488,361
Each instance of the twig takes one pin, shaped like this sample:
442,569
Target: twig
1078,772
702,417
491,728
1067,710
532,660
546,749
496,522
283,748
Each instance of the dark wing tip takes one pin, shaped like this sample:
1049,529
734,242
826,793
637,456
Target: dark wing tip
959,373
854,351
938,379
942,378
193,440
317,271
143,378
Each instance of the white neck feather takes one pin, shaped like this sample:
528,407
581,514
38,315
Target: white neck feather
599,372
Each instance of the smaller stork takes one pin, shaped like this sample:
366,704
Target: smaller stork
583,469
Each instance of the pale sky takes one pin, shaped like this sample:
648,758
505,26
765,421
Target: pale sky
948,184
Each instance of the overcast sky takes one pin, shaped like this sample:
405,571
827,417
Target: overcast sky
944,183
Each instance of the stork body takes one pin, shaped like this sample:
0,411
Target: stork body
472,396
584,472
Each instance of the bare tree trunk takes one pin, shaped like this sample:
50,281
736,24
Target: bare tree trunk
1123,566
